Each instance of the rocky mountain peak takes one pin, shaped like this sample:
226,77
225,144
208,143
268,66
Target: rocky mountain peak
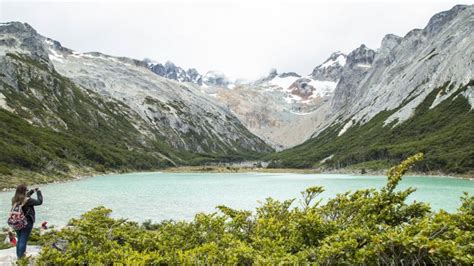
21,37
362,56
16,27
194,76
271,75
171,71
331,69
385,54
358,64
216,79
289,74
390,41
437,22
334,57
170,65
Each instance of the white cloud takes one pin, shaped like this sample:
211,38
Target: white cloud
242,39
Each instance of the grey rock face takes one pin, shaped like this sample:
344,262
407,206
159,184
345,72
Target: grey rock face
171,71
331,69
437,22
193,76
361,55
21,37
289,74
405,70
358,64
386,50
215,79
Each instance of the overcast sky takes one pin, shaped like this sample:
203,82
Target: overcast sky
241,39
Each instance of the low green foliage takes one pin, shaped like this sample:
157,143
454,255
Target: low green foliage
363,227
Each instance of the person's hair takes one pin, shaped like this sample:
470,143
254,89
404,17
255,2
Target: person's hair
20,195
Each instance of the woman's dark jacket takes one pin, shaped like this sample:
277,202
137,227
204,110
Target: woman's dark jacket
28,207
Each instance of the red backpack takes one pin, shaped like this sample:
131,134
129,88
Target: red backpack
17,219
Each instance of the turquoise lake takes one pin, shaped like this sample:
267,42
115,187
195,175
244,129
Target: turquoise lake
159,196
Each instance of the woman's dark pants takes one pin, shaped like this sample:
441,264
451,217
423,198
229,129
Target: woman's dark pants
23,236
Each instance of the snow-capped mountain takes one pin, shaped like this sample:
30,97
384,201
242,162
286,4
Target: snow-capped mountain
415,93
297,89
278,105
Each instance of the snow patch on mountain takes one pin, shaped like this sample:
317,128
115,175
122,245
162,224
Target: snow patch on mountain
53,55
323,88
3,103
345,128
469,94
364,65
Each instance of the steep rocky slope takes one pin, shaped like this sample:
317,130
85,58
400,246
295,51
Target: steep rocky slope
61,108
180,113
415,93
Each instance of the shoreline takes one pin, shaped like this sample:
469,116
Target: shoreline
230,169
76,176
80,174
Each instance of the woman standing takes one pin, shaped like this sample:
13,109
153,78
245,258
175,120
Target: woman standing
23,199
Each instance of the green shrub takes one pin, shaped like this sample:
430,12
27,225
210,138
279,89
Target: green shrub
363,227
5,170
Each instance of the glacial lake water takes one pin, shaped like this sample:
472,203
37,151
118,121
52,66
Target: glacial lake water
159,196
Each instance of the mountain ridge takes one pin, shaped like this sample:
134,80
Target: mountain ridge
385,90
144,122
427,67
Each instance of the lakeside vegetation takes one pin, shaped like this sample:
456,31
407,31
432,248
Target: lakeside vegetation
369,226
